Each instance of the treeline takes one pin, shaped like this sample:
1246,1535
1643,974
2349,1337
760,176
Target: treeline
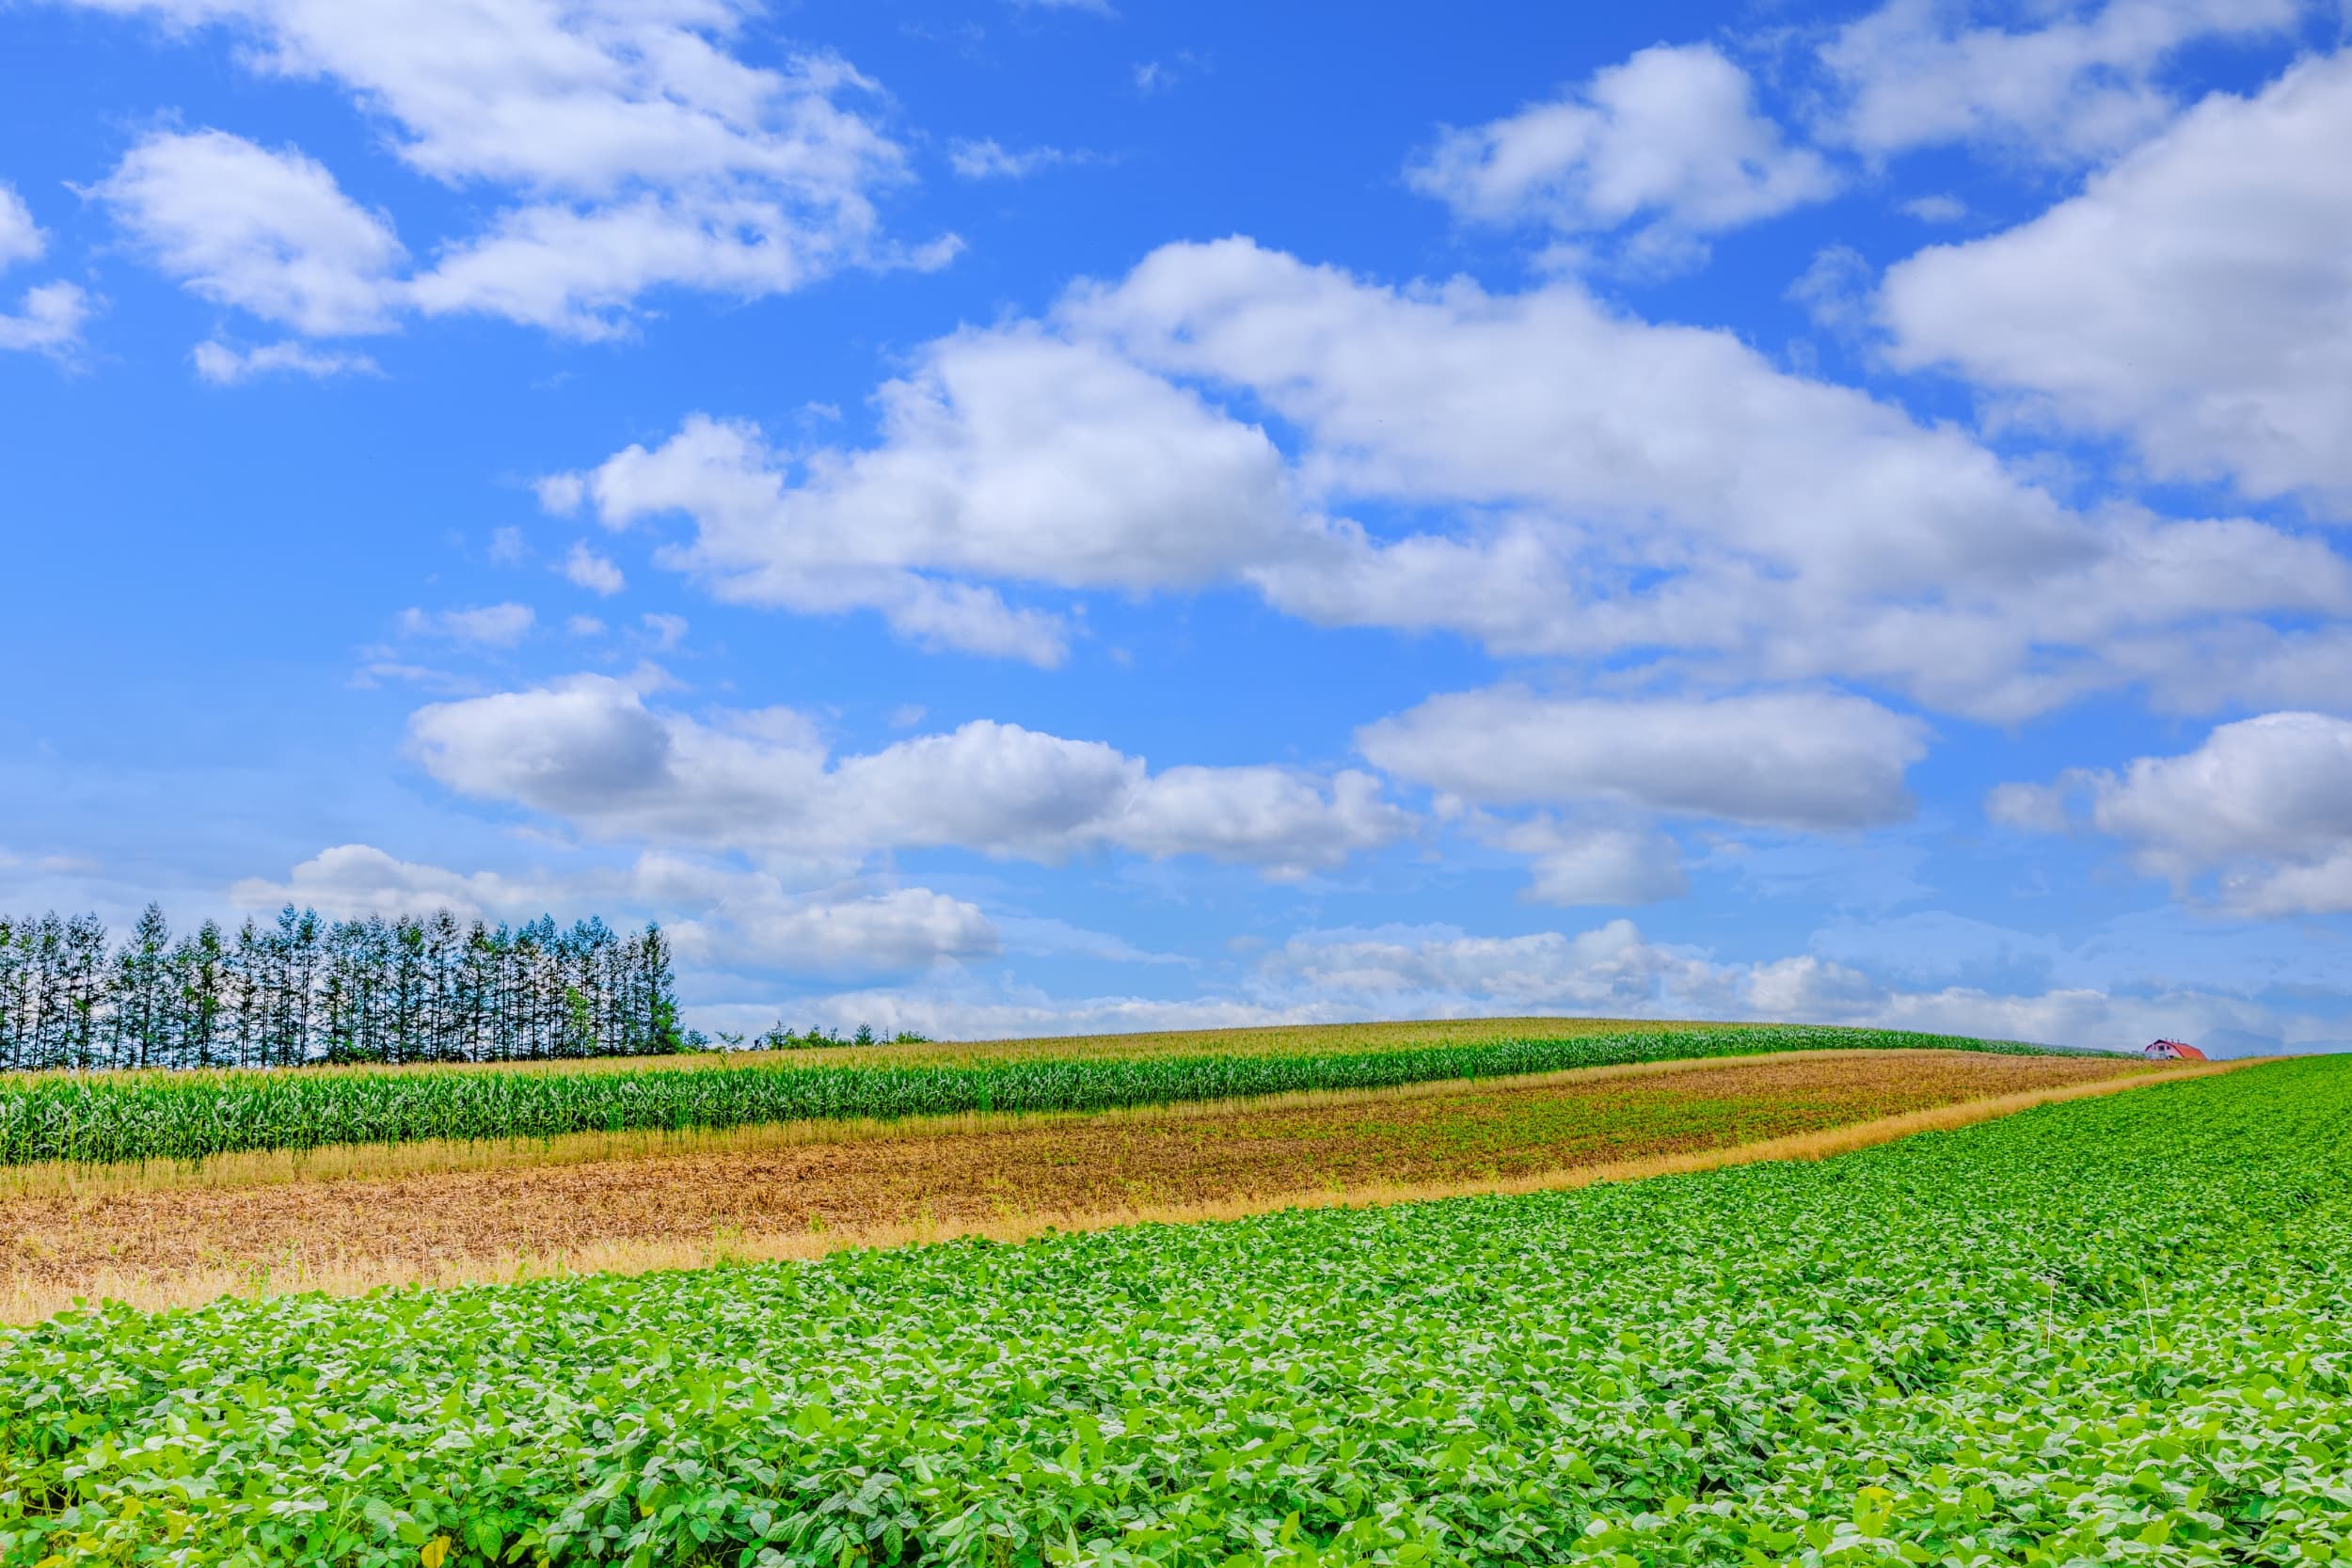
305,989
782,1039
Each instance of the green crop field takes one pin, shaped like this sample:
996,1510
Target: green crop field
2117,1330
103,1119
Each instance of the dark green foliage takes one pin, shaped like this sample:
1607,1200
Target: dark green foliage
781,1038
305,989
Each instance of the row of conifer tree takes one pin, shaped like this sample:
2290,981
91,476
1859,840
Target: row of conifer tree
304,990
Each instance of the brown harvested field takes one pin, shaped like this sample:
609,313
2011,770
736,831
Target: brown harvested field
780,1191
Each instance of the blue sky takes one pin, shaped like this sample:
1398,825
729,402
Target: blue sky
1032,517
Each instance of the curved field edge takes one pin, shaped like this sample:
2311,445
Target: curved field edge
363,1161
2111,1330
295,1265
98,1119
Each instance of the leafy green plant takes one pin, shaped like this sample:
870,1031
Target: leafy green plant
2115,1330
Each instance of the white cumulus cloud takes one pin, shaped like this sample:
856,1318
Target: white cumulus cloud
2195,299
586,568
225,366
48,320
2263,807
266,231
1012,456
49,316
2056,80
989,159
624,146
591,750
1670,140
713,914
1786,759
1582,485
496,625
20,238
1578,862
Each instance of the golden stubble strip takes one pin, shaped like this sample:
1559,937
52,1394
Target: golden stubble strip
177,1246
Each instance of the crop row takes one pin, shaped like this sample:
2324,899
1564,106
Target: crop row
94,1118
2117,1330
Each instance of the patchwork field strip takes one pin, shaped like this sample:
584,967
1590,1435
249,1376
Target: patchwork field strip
157,1235
2115,1329
105,1118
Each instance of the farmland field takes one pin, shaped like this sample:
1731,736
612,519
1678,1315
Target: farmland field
2118,1329
106,1118
166,1234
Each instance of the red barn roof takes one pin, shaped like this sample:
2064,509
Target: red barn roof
2173,1051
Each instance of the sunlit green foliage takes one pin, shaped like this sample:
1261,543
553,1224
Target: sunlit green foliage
2117,1330
98,1118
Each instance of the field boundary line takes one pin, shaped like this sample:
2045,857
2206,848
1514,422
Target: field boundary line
647,1257
266,1167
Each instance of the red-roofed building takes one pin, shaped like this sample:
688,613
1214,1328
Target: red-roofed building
2172,1050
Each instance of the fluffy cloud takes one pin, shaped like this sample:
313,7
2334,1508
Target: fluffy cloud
356,880
1013,455
49,318
1585,863
1936,209
597,573
714,916
989,159
20,238
1583,484
1289,822
590,750
986,1013
1671,139
1613,970
266,231
737,917
2195,298
1783,759
636,149
1642,487
1836,289
2079,80
1813,990
224,365
906,928
493,626
2264,807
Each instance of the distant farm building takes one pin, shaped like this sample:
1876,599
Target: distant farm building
2171,1051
